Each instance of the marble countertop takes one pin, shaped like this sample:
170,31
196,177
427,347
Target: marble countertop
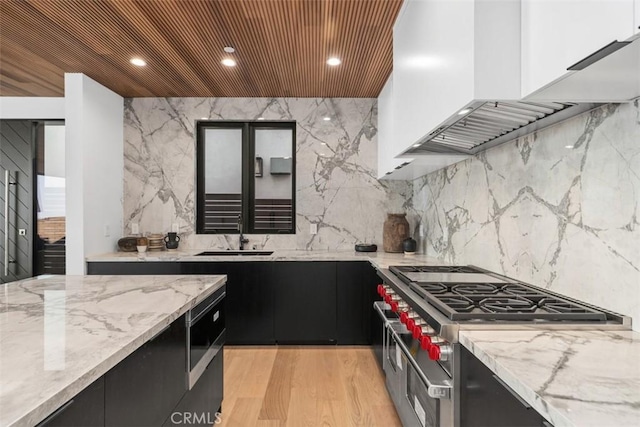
572,378
58,334
377,259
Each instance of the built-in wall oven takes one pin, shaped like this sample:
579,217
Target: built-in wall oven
205,334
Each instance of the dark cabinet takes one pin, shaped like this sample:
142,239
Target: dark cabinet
86,409
356,284
288,302
249,300
144,388
485,400
202,404
305,302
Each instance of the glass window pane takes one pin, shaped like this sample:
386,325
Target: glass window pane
273,180
223,178
51,215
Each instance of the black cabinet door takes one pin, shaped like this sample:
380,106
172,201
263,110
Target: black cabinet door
86,409
249,300
144,388
486,401
356,284
305,302
201,405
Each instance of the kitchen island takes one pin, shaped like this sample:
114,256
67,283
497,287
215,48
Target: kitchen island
59,334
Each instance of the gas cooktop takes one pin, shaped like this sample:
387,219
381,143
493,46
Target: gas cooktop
469,294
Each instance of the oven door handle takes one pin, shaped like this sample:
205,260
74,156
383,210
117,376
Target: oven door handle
435,391
378,307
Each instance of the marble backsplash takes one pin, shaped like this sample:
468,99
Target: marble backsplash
336,180
557,208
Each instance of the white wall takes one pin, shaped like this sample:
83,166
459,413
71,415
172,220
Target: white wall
54,151
24,107
94,163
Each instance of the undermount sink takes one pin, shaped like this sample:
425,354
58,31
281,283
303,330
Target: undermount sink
235,253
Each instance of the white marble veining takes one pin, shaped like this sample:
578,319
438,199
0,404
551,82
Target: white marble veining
557,217
336,185
377,259
572,378
58,334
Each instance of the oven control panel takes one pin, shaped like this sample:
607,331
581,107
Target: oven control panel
427,338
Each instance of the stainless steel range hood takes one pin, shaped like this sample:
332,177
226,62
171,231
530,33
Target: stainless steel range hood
486,124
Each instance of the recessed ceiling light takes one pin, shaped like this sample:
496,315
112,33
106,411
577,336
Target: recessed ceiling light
323,143
568,146
138,61
333,61
229,49
416,145
204,118
260,118
228,62
326,119
464,111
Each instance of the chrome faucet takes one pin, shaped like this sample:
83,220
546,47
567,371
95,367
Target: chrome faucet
242,239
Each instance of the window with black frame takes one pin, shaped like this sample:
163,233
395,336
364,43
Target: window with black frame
245,174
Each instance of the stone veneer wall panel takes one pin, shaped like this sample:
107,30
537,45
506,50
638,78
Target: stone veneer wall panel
561,218
335,172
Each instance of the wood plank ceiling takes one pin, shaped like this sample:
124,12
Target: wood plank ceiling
281,46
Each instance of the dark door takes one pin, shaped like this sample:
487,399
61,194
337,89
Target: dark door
17,142
305,302
144,388
86,409
356,284
249,300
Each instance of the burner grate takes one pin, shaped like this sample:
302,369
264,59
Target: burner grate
434,288
555,305
491,301
475,289
516,289
458,303
507,305
434,269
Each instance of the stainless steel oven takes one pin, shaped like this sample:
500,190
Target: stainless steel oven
205,334
420,388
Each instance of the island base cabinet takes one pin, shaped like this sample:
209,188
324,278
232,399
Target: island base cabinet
86,409
201,405
144,388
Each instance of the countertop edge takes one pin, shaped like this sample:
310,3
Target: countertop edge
376,259
47,407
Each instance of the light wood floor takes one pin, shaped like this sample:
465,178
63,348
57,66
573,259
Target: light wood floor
304,386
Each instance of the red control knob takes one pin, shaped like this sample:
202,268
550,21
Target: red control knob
394,306
381,290
417,331
425,343
404,317
434,352
387,298
410,324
